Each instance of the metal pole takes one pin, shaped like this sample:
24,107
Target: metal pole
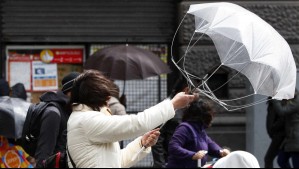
159,89
2,52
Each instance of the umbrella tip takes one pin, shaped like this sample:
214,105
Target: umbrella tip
127,44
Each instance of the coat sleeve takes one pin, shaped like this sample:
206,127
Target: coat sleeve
130,156
214,149
176,145
107,129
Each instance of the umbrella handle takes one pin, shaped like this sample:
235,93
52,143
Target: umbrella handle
124,88
123,100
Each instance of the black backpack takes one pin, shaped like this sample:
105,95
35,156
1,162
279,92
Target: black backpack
31,131
32,126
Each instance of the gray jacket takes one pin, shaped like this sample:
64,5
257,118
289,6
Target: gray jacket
116,107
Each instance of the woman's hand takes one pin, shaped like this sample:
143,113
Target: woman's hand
224,152
150,138
182,100
199,155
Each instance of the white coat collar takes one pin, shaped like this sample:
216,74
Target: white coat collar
84,108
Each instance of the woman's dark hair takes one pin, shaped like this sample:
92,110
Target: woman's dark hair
178,86
93,89
199,112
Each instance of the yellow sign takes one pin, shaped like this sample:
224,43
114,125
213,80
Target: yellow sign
47,56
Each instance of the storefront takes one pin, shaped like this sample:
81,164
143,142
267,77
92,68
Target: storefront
41,68
33,29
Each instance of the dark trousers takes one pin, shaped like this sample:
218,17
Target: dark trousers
284,159
273,151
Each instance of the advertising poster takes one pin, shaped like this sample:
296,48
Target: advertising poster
38,67
16,77
44,76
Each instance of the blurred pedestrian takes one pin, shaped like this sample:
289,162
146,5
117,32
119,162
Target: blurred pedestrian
160,150
48,125
114,104
94,134
190,143
18,91
276,131
290,145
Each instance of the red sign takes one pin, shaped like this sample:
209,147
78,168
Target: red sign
19,57
55,55
74,56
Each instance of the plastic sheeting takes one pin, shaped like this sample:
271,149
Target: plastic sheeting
13,113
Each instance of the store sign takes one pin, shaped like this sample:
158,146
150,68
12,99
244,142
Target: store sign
74,56
36,66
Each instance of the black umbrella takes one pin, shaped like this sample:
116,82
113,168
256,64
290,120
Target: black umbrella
13,113
125,62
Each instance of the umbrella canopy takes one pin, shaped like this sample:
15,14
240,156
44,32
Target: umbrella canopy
124,62
249,45
13,113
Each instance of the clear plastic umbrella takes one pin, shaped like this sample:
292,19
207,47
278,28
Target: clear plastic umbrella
13,113
248,44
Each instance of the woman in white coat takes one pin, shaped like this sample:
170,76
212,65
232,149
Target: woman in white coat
94,134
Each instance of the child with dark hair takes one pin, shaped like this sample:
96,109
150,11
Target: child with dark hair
190,141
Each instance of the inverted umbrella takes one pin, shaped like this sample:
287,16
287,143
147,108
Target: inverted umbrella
13,113
248,44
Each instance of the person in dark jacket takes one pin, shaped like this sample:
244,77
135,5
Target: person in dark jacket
160,150
290,145
190,142
52,136
276,131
